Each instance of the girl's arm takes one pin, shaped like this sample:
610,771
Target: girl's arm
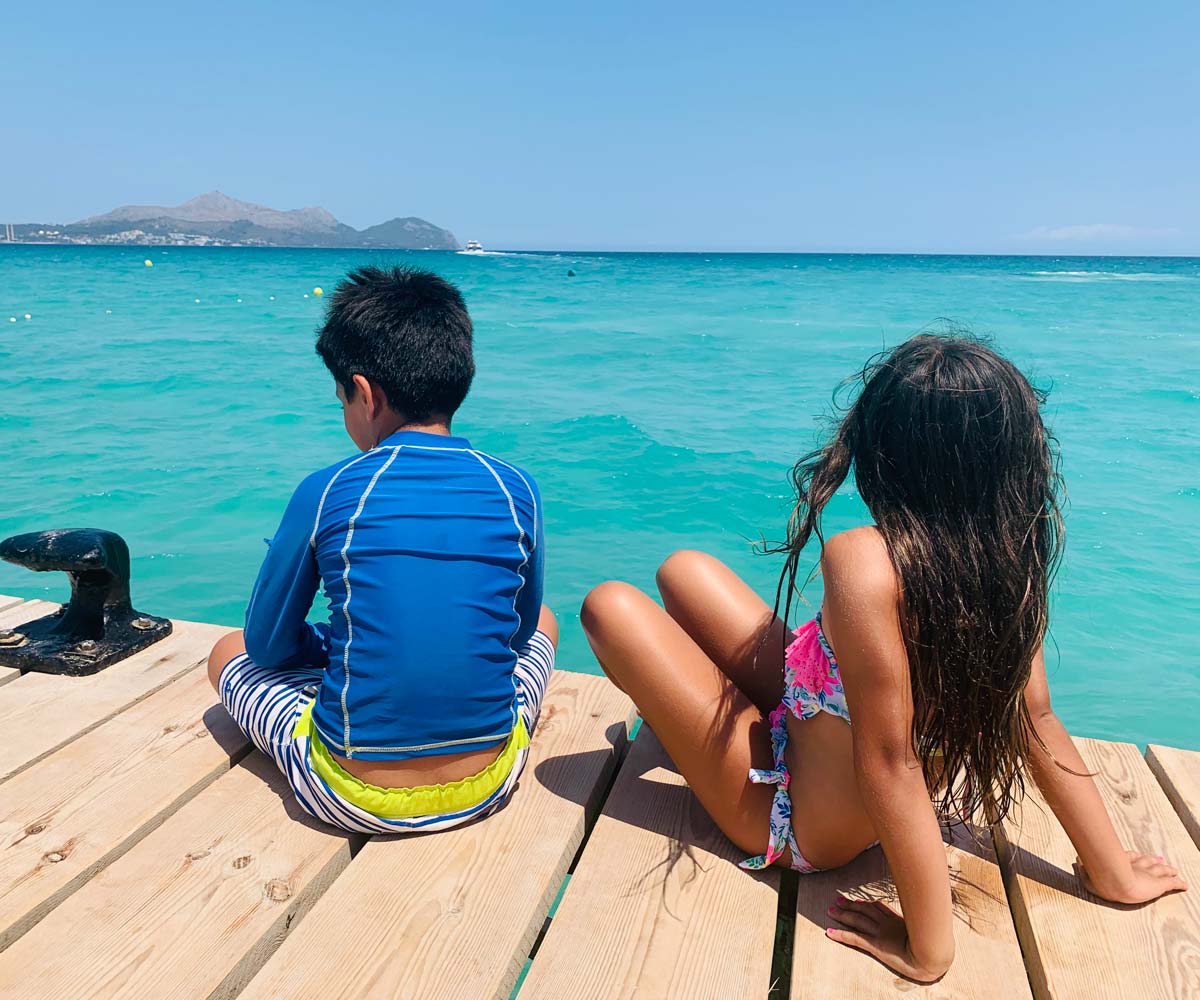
1108,869
864,629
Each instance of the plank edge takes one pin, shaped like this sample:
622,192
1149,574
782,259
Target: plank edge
136,700
530,941
24,923
1191,821
258,953
1018,908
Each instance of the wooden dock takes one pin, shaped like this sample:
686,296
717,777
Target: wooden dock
148,852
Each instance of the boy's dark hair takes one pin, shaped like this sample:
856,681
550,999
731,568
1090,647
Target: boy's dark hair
405,329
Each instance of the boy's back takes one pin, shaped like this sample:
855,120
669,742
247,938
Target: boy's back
430,558
411,706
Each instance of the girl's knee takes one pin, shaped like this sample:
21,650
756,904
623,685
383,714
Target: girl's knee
680,569
610,606
226,648
548,624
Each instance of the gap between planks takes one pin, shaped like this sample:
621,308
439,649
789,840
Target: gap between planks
39,713
15,612
194,908
454,915
657,906
1078,945
1178,772
89,802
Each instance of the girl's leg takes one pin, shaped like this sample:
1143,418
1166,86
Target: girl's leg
228,646
535,666
712,731
729,621
548,624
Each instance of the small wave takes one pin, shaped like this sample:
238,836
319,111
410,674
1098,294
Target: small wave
1104,276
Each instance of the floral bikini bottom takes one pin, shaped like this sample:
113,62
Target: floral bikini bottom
811,684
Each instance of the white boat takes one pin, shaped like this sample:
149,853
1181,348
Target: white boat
473,246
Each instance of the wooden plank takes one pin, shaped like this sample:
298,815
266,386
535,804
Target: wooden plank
14,615
41,712
89,802
15,612
1178,772
987,960
455,915
191,910
657,906
1076,945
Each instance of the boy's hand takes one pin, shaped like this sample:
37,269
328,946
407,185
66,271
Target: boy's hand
1147,878
874,927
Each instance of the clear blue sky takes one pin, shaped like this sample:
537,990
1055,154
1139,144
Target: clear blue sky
1014,127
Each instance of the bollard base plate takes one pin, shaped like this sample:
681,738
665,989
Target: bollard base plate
40,647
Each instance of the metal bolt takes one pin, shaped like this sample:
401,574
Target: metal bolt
87,646
143,624
10,638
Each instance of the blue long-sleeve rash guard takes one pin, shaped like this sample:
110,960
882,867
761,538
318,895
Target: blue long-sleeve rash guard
431,557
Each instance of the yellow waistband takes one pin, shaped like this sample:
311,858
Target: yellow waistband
420,800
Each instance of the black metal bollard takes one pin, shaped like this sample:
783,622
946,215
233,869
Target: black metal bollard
98,626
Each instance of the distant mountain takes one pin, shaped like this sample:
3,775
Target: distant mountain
218,207
407,232
215,218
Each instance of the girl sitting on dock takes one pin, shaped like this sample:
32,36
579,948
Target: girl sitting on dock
929,638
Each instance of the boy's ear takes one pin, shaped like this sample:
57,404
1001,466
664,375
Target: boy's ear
371,394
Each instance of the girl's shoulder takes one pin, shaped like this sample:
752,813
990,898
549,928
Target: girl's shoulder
857,561
860,610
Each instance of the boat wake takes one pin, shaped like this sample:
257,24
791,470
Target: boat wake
498,253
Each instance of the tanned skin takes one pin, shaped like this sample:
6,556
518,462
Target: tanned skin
704,681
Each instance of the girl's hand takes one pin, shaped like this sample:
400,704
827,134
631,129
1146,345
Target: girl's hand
874,927
1148,878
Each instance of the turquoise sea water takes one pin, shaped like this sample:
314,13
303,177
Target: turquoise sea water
660,400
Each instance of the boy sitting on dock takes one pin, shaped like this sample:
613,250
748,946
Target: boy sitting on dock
411,707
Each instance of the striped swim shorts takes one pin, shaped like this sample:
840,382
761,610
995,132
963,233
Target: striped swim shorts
273,708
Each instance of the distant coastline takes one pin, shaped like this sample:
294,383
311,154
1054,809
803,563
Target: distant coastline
215,219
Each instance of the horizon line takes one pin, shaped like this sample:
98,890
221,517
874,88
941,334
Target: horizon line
1167,255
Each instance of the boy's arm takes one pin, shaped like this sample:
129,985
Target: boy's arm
1108,869
529,600
276,632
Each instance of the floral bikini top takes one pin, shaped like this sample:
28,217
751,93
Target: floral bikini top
812,682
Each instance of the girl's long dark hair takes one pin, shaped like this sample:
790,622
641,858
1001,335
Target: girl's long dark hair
948,450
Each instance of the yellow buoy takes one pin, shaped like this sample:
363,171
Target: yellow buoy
149,263
318,291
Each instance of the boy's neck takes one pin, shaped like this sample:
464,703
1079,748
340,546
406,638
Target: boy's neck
441,427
